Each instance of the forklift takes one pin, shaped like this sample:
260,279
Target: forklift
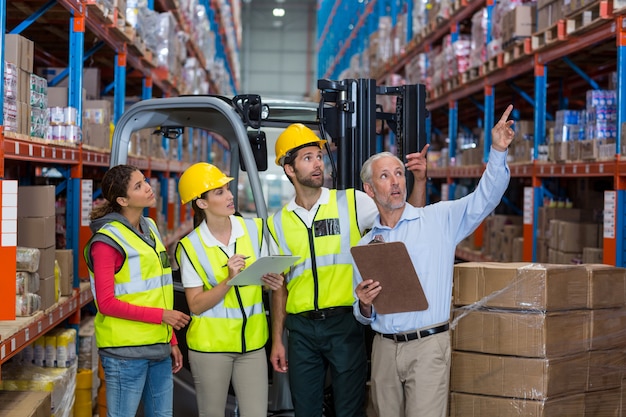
347,116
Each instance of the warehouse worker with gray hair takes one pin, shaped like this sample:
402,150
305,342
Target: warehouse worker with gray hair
411,350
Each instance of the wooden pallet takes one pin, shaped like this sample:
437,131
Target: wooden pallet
469,75
438,91
514,51
588,18
102,13
492,64
451,83
554,33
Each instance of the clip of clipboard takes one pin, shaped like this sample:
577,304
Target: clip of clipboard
253,273
390,264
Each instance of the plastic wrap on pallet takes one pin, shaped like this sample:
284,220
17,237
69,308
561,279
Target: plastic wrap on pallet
478,46
601,114
569,125
564,352
420,16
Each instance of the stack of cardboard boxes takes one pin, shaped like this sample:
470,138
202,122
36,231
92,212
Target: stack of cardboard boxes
36,229
537,340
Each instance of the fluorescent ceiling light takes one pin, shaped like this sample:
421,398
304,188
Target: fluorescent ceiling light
278,12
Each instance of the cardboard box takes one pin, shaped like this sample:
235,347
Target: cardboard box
57,96
607,286
25,403
36,232
573,237
593,255
521,285
467,405
603,403
508,376
605,370
97,111
91,79
46,261
20,51
23,86
516,333
35,201
48,291
552,213
564,258
548,13
518,23
517,253
607,329
65,258
98,136
542,250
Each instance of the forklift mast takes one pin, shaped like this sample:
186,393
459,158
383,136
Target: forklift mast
348,113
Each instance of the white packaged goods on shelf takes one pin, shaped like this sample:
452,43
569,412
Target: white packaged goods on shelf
10,80
38,89
70,115
72,134
27,259
601,114
65,347
50,358
57,116
10,115
39,351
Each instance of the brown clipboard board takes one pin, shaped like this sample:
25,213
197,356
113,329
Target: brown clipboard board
390,264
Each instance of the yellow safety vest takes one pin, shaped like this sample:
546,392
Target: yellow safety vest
238,323
145,279
322,278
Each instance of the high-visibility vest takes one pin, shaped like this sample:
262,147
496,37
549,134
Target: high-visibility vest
237,323
322,278
145,279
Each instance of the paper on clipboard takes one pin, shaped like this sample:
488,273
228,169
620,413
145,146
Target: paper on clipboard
267,264
390,264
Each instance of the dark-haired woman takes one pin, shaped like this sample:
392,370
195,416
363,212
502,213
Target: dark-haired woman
131,279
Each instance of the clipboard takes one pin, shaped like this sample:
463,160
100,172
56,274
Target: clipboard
390,264
253,273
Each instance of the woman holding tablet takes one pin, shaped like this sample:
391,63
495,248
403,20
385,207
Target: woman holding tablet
229,327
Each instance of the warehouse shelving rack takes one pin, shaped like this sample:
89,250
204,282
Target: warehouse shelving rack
74,159
532,59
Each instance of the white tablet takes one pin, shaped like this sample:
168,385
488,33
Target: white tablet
267,264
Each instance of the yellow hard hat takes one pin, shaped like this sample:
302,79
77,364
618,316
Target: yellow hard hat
198,179
293,138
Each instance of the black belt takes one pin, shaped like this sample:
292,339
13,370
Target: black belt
325,313
405,337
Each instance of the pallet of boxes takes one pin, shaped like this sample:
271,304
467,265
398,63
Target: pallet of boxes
538,340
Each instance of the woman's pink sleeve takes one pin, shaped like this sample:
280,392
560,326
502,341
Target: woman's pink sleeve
107,260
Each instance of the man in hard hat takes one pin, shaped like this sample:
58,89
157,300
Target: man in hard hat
320,225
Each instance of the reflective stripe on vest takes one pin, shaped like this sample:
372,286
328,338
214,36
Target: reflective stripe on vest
238,322
331,282
143,280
